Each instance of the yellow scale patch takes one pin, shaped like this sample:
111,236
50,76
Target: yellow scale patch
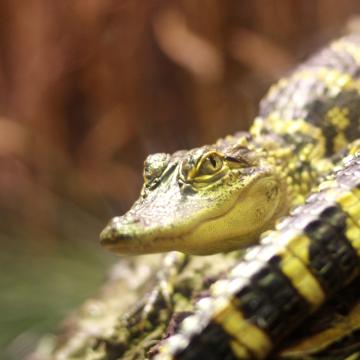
283,126
246,334
339,141
315,152
294,257
351,205
349,201
339,118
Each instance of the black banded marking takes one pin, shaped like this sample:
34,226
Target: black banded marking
335,113
331,258
270,301
256,284
215,337
349,204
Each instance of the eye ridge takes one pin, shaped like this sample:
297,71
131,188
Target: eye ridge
154,166
240,160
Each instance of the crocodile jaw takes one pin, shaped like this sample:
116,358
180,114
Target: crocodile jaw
197,224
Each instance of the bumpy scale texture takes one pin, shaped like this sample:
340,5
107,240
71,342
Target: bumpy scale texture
314,252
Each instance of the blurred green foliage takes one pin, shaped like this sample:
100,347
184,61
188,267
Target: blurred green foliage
39,289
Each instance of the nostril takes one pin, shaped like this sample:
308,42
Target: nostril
134,220
119,229
108,235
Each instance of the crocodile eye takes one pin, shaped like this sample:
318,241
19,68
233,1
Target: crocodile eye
203,170
210,165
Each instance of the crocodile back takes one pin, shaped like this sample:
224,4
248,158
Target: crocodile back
320,101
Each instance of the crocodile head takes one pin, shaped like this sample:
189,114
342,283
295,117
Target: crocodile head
206,200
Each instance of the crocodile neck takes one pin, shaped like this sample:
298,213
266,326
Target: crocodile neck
296,149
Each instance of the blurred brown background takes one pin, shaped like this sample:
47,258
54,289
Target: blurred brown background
87,89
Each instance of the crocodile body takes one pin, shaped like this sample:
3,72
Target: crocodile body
311,255
222,197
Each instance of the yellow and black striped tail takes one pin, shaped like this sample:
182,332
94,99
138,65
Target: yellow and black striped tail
312,254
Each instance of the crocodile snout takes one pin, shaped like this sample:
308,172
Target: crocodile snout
119,231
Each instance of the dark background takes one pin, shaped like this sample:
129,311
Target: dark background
87,89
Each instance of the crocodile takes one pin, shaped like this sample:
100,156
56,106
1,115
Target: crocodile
312,254
222,197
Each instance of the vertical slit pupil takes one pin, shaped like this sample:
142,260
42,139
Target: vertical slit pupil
212,161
